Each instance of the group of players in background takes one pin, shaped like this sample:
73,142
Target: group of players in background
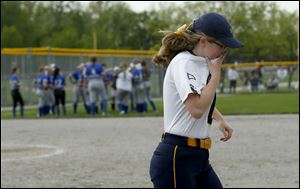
94,85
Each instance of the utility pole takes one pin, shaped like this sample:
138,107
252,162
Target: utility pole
95,40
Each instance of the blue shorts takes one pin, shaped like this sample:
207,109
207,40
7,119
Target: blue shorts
175,164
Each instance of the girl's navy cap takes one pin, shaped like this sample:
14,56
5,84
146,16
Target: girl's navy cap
216,26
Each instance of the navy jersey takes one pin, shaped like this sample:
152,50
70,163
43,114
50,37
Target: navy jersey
59,82
14,82
94,71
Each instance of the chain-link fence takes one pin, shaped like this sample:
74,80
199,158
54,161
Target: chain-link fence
29,60
29,63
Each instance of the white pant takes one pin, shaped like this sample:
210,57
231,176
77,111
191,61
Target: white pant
97,89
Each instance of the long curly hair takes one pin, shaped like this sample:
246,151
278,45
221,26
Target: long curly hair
174,43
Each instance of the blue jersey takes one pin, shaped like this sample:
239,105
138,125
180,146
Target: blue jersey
46,78
39,81
77,76
94,71
138,75
59,82
14,82
109,76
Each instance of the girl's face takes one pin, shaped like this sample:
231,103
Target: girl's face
211,48
216,49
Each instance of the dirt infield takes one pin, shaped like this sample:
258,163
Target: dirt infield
116,152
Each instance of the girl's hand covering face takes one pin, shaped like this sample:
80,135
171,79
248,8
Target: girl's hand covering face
219,60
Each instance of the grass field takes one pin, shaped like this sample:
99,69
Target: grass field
234,104
262,103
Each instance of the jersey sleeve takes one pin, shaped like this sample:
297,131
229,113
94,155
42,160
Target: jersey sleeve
74,75
189,78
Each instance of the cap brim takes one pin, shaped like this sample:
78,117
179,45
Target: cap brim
231,42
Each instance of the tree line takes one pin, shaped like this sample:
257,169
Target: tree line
268,32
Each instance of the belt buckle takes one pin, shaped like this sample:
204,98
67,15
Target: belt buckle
205,143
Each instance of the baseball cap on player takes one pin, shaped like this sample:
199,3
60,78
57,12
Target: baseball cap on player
53,66
131,65
116,68
80,65
216,26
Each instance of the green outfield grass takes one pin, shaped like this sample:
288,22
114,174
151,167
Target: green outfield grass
260,103
234,104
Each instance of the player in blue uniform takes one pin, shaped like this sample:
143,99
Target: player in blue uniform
47,94
38,86
139,88
79,90
51,69
108,78
147,85
59,91
15,92
96,86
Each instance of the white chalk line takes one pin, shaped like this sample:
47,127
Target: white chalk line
57,151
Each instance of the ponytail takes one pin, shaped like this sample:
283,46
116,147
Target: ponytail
124,70
175,42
